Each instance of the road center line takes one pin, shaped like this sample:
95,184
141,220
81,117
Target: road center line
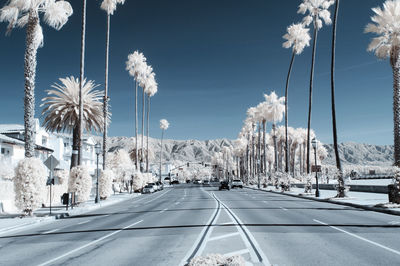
223,236
88,244
359,237
84,222
51,231
176,203
284,209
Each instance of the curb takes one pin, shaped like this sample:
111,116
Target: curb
368,208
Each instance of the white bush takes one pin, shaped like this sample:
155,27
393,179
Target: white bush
80,182
217,259
105,183
6,170
63,176
30,184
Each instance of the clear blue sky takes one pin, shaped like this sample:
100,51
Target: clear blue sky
213,60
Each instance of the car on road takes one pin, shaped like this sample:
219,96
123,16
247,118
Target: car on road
175,182
237,183
206,182
160,185
155,187
148,189
224,185
197,181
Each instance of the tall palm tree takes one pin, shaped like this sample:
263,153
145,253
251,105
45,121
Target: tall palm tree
61,109
385,24
151,88
26,13
109,6
136,66
164,124
317,11
341,186
297,38
81,78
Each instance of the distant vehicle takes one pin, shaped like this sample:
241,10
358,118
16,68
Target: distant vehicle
160,185
155,187
175,182
224,185
148,189
206,182
188,181
237,183
197,181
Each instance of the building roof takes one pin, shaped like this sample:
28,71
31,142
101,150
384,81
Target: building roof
11,128
5,139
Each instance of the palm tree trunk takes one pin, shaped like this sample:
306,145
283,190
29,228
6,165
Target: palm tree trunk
105,100
143,110
136,126
275,147
253,154
162,136
341,185
395,63
75,145
148,130
286,112
264,146
310,95
82,76
30,75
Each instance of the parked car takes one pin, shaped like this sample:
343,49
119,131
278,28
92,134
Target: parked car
197,181
224,185
155,187
148,189
175,182
206,182
160,185
237,183
188,181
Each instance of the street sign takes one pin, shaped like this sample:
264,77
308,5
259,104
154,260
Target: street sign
51,163
316,168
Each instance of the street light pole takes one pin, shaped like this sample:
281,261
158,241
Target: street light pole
97,148
314,144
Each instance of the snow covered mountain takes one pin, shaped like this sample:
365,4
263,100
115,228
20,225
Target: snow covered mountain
202,151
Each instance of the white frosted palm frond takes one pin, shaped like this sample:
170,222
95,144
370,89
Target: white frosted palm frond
136,65
317,11
164,124
150,85
61,107
144,75
276,107
385,24
297,38
111,5
56,13
251,114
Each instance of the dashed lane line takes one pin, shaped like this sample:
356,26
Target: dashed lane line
359,237
84,222
164,210
51,231
88,244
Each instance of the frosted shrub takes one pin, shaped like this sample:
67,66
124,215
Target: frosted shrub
308,185
63,176
105,184
80,182
137,181
30,185
285,182
6,170
217,259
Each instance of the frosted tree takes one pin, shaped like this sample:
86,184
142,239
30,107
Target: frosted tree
297,38
164,125
317,13
150,88
30,185
80,182
21,13
136,66
61,110
105,183
385,24
251,119
109,6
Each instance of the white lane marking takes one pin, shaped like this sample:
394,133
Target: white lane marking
238,252
87,245
228,223
223,236
191,250
159,196
176,203
164,210
284,209
393,222
51,231
235,218
359,237
84,222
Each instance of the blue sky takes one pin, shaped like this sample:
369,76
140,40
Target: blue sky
213,60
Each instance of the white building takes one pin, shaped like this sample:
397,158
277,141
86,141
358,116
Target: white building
57,144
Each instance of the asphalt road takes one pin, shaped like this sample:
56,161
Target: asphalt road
172,226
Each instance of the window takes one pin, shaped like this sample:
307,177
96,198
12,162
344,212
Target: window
3,151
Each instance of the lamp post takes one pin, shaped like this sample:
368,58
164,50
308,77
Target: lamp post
97,149
314,144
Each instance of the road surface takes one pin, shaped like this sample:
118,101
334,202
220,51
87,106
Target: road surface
172,226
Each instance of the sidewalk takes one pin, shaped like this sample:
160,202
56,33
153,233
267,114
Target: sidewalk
364,200
13,222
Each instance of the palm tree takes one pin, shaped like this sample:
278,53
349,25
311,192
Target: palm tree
26,13
386,45
151,88
109,6
297,38
61,109
341,185
136,65
316,10
163,126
